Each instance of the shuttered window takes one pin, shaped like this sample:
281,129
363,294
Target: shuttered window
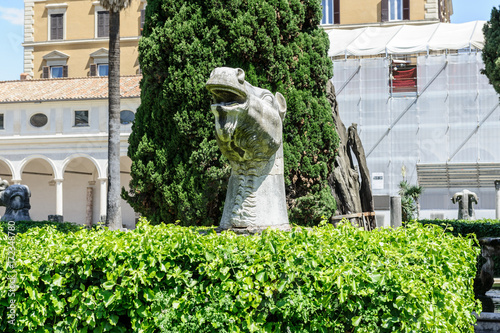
102,24
56,26
395,10
1,121
52,72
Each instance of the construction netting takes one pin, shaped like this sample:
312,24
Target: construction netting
444,134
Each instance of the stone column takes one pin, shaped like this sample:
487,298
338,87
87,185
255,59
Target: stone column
396,211
103,198
90,204
16,181
497,206
59,196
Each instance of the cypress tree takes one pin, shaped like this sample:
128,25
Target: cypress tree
178,172
491,49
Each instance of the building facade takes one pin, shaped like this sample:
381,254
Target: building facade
69,38
425,113
54,139
384,12
53,122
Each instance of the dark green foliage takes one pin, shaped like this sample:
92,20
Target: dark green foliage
479,228
174,279
20,227
178,172
491,50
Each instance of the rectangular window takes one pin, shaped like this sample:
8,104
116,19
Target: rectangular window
395,10
56,26
403,76
81,118
143,17
331,12
56,71
102,69
1,121
102,24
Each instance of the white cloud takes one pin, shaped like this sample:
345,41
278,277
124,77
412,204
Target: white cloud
12,15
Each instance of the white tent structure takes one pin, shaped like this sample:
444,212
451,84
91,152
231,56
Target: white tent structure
406,39
440,128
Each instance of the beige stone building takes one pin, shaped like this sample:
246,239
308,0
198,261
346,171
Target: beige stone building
53,122
69,38
385,12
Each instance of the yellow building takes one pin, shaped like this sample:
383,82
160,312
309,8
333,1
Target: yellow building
69,38
383,12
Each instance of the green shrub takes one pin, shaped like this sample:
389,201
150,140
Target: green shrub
174,279
178,172
21,227
479,228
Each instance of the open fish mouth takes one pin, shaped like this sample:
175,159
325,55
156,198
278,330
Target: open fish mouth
226,96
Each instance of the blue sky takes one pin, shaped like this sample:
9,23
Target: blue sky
12,35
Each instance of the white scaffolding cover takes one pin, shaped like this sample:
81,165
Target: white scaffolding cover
406,39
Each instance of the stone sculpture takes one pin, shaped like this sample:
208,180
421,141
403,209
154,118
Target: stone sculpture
248,130
466,200
16,199
490,248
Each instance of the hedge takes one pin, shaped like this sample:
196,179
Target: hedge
176,279
22,226
480,228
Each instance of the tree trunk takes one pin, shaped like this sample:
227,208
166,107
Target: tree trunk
114,214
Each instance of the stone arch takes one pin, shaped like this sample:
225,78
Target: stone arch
69,159
6,170
56,172
80,173
38,173
6,173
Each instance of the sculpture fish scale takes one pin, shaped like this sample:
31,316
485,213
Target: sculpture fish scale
249,132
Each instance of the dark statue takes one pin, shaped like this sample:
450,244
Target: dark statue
16,199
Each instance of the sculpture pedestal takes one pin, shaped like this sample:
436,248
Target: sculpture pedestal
56,218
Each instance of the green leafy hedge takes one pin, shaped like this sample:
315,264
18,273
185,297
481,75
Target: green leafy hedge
480,228
22,226
174,279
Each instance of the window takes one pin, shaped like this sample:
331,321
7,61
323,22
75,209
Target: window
1,121
99,69
56,15
54,72
56,65
143,17
81,118
331,13
56,26
102,23
395,10
126,117
102,69
39,120
403,76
